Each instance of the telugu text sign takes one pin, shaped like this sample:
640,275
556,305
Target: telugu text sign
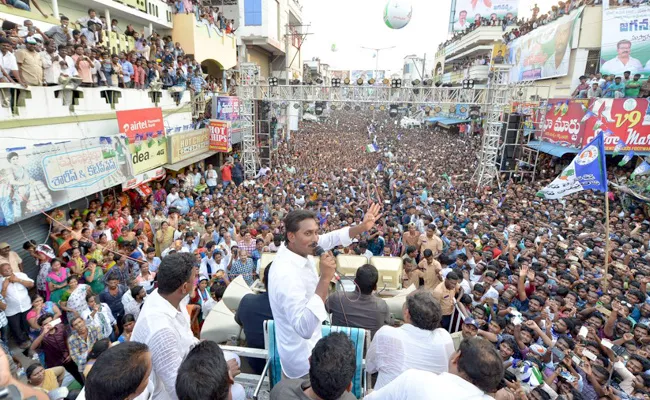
467,11
220,136
544,52
625,44
562,125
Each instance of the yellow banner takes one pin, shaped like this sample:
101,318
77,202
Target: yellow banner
186,145
147,155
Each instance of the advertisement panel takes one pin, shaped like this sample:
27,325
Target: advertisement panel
366,74
563,122
341,74
628,119
225,108
145,134
220,136
467,11
544,52
40,178
187,145
625,44
141,179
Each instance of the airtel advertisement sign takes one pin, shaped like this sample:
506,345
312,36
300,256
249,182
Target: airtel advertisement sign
138,124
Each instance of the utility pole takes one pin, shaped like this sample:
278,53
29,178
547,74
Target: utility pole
377,50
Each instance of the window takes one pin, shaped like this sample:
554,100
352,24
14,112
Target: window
156,11
253,12
593,62
407,68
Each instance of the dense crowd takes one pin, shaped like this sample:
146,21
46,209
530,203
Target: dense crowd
612,86
523,277
73,54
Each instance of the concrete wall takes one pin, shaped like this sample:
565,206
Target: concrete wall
204,42
591,28
261,58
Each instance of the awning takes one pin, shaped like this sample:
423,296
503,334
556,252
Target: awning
552,149
182,164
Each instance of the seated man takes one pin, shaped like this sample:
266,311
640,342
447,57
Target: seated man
206,374
420,343
475,372
122,372
360,309
253,310
331,368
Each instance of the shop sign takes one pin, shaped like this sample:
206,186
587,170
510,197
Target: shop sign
144,130
627,119
40,178
187,145
220,136
143,178
225,108
563,122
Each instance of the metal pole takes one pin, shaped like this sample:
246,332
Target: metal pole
424,66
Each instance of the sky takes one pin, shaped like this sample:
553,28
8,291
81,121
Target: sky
353,24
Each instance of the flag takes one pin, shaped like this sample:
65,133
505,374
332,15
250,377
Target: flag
586,171
608,132
399,136
588,115
642,169
371,148
584,108
597,125
620,145
626,159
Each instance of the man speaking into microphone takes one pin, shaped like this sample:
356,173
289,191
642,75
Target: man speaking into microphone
297,295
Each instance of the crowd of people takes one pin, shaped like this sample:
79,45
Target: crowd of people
74,54
612,86
510,296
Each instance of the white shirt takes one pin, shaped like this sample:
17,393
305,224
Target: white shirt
9,63
51,69
418,385
171,198
167,332
211,177
394,350
17,296
616,66
297,310
103,319
203,269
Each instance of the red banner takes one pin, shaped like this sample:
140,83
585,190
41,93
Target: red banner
563,122
628,119
220,139
141,124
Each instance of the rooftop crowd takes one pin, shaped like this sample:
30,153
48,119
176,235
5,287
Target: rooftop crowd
612,86
523,277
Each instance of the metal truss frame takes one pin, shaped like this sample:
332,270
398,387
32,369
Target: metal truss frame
494,101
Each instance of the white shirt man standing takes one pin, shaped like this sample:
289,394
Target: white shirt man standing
296,294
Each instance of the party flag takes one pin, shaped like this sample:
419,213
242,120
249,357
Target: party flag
642,169
608,132
626,159
586,171
597,125
371,148
620,145
588,115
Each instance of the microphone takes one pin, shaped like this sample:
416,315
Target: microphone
319,251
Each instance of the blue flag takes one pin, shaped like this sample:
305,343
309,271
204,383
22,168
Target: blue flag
626,158
642,169
586,172
620,145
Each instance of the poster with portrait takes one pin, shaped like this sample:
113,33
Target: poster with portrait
545,51
37,179
625,44
467,11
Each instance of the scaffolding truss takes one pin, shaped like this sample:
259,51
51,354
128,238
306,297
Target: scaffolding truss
495,103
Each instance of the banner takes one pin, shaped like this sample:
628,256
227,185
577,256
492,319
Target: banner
220,136
44,177
225,108
467,11
145,135
187,145
586,171
366,74
625,44
142,179
628,119
544,52
563,122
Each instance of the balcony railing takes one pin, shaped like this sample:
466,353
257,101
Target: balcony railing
482,34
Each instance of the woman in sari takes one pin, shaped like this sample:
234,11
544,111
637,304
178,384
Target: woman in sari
146,278
106,246
201,297
77,262
44,256
40,307
94,276
160,194
164,237
57,281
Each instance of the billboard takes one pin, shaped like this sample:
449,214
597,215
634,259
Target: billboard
628,119
563,122
187,145
44,177
366,74
145,135
225,108
544,52
625,44
467,11
341,74
220,136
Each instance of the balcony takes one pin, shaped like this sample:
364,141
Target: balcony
481,35
83,112
205,41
